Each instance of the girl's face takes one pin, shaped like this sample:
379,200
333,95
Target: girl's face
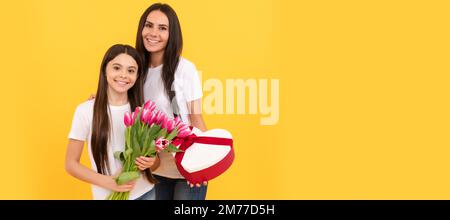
121,73
155,33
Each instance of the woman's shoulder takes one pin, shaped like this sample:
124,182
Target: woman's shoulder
186,68
186,62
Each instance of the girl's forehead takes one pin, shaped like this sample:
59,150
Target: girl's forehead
124,59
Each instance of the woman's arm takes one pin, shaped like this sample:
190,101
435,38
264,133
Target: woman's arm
195,114
76,169
196,118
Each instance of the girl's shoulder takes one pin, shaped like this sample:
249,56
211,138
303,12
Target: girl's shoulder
86,108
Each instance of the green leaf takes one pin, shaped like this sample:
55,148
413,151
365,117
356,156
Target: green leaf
135,155
140,133
152,153
151,149
136,146
162,133
127,177
171,148
146,143
154,130
119,155
138,118
128,138
127,153
172,135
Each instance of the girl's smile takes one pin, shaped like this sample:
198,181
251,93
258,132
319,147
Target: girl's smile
121,82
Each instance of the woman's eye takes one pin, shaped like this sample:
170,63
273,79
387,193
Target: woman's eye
162,28
131,71
116,68
148,25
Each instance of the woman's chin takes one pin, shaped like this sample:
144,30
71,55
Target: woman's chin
153,49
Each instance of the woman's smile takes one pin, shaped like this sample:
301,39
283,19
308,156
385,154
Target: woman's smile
152,42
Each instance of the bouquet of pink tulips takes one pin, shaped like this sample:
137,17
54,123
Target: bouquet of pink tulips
147,133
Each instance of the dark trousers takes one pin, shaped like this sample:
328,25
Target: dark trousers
177,189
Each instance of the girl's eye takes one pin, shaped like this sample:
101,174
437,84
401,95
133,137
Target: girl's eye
116,68
148,25
162,28
131,71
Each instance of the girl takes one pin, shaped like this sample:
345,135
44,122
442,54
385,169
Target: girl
100,123
172,82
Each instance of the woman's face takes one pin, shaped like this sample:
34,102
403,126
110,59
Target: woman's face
155,33
121,73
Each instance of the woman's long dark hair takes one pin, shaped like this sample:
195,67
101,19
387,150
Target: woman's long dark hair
172,52
101,122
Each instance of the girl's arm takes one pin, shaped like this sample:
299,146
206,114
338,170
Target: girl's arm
79,171
195,114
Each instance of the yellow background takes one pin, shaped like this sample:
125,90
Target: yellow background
364,93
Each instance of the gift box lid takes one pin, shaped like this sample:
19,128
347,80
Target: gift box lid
201,156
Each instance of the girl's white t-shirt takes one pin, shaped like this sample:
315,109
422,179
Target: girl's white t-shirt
82,130
187,87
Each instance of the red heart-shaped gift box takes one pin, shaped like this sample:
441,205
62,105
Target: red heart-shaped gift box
205,155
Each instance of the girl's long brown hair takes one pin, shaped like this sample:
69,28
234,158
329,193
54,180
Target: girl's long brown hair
101,123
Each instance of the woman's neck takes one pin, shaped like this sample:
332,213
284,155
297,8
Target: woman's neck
156,59
117,99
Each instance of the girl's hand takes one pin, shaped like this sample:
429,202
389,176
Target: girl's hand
110,183
144,162
205,183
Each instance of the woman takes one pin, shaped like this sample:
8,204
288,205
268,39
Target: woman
172,82
100,123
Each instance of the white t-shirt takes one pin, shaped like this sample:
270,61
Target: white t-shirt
82,130
187,88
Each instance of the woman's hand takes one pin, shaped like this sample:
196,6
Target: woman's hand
92,96
144,163
196,119
205,183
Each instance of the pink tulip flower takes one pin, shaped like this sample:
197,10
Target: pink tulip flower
161,144
159,117
135,114
128,120
151,119
164,122
183,127
150,105
137,110
170,126
177,121
184,131
146,113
